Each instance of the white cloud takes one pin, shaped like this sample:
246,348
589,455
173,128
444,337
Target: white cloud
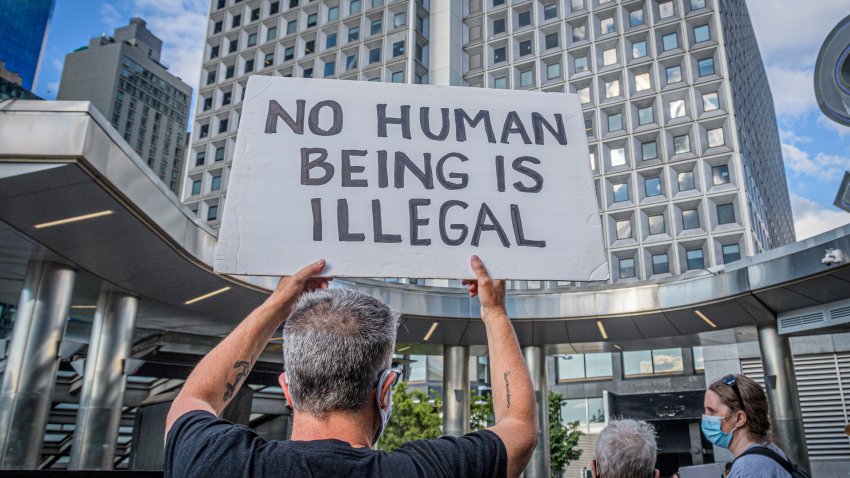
811,219
790,137
110,15
793,90
826,167
827,123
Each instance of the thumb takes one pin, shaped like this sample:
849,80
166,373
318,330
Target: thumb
478,268
310,270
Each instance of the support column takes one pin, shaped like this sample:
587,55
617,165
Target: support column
104,381
781,387
27,385
455,390
535,360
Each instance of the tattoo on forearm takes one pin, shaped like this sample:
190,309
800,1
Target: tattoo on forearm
244,367
507,388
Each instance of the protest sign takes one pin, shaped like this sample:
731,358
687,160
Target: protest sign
391,180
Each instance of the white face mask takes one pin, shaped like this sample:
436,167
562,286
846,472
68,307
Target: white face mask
385,412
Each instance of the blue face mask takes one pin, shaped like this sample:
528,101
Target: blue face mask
712,429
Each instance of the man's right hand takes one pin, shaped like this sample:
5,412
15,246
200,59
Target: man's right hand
490,292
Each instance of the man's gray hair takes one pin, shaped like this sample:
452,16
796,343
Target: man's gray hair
626,448
336,343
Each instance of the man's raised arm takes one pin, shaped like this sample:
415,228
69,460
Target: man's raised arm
217,378
513,395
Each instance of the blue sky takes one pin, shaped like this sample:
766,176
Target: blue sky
816,151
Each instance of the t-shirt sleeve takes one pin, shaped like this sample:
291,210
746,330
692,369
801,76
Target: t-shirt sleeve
481,453
196,445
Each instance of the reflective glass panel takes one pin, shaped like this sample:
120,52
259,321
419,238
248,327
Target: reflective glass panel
418,368
639,49
636,18
499,55
598,365
649,150
525,48
642,82
579,33
615,122
670,41
715,137
607,25
621,192
720,174
710,101
677,109
574,411
501,83
624,229
637,363
526,78
690,219
695,259
682,144
699,359
570,367
581,64
645,116
652,186
702,33
674,74
706,66
553,71
498,26
550,11
725,213
551,40
524,19
584,95
612,88
686,181
609,57
660,264
618,156
697,4
667,360
627,268
665,9
731,253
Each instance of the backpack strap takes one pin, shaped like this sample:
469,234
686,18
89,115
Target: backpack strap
764,451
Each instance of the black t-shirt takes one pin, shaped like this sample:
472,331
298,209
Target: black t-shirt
200,444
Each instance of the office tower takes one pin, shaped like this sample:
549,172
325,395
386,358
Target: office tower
682,135
23,31
126,81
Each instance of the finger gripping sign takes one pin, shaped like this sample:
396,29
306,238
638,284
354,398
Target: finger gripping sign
390,180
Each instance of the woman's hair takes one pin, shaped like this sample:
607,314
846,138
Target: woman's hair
755,405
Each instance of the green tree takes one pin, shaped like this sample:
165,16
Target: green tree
480,411
415,416
563,437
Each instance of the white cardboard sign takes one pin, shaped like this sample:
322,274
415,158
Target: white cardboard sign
390,180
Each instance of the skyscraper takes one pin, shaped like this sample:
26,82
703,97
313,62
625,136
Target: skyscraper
677,108
126,81
23,31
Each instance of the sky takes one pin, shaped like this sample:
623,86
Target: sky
816,150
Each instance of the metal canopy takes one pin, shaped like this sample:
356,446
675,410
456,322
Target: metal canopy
62,159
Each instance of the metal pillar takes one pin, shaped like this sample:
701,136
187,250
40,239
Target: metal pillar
455,390
535,360
27,386
104,381
781,386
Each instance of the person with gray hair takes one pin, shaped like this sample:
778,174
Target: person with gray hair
338,347
625,449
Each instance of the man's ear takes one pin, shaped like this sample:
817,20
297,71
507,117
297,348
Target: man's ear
657,473
593,468
281,379
388,384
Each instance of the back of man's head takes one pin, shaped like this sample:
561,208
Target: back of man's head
336,343
626,448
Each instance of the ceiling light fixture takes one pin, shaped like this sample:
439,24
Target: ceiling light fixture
706,319
403,349
602,329
430,331
84,307
618,347
74,219
207,296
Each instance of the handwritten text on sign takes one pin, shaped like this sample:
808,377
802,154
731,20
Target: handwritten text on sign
408,181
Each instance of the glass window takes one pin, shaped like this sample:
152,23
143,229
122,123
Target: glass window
649,150
731,253
205,130
574,410
627,268
639,49
374,55
674,74
652,186
501,83
588,126
499,55
670,41
496,3
579,33
725,214
226,98
550,11
677,109
214,52
699,360
398,48
274,8
702,33
553,71
581,64
660,264
615,122
710,101
229,71
418,368
308,73
398,77
690,219
636,17
706,66
697,4
618,156
715,137
551,40
695,259
333,13
217,27
351,62
207,103
525,48
289,53
312,20
233,46
612,88
637,363
309,47
498,26
576,5
624,229
642,82
400,19
293,3
609,57
526,78
686,181
252,39
584,95
375,27
665,9
255,14
667,361
645,116
682,144
524,19
212,213
598,365
249,66
656,224
219,154
354,6
621,192
196,187
216,183
353,33
720,174
607,25
222,126
237,20
330,40
271,34
199,158
377,3
330,68
291,27
571,367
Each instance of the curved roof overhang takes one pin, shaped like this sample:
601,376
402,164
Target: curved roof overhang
63,159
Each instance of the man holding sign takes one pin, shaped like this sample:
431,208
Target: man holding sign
338,347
